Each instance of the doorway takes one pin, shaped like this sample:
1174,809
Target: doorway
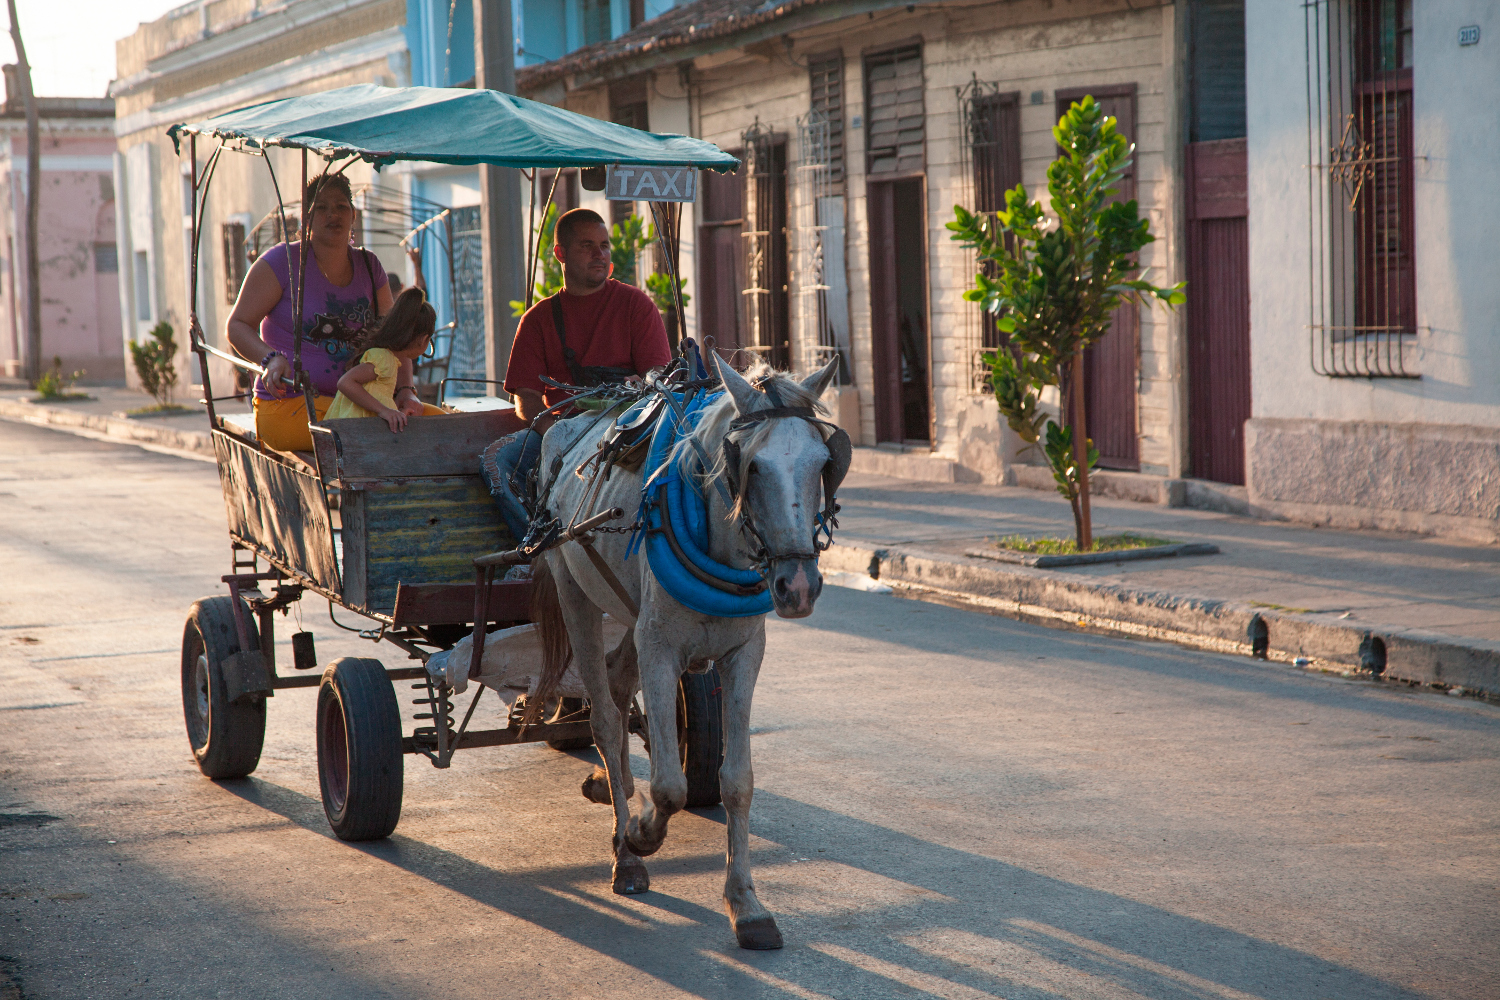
900,347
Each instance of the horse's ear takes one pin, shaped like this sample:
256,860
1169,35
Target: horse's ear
818,380
741,392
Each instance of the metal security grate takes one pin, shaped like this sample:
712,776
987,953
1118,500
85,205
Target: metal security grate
990,165
1362,268
812,186
764,234
895,124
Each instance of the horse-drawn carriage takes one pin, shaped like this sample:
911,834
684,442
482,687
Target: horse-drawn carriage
385,525
733,503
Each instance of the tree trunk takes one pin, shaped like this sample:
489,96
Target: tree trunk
33,206
1081,456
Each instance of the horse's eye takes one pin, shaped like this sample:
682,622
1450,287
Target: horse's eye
752,470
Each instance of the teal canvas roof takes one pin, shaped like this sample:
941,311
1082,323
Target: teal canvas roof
448,125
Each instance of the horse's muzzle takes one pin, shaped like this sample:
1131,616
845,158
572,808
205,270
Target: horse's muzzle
795,586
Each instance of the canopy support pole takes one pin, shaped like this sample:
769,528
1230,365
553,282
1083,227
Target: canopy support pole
499,192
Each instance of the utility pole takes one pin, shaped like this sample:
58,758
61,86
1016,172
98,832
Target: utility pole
33,206
502,238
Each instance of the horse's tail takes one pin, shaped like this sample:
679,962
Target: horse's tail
557,648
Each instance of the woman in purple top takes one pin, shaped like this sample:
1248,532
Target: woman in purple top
345,291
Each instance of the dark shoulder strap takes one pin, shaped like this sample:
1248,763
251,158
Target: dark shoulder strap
569,357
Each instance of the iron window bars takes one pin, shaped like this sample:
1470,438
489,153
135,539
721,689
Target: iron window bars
1361,238
989,165
762,299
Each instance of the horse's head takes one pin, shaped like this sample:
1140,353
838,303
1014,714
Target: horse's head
779,467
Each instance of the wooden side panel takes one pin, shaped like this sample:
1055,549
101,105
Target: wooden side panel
423,532
447,445
453,603
278,510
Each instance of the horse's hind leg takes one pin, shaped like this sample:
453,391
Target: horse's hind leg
753,926
585,628
624,680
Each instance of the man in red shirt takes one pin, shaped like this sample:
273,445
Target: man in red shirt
595,330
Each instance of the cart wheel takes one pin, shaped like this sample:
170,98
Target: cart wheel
360,768
226,737
571,709
700,735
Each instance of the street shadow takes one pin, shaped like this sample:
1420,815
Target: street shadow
981,924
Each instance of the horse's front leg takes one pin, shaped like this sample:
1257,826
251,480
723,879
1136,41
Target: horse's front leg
586,631
754,927
661,669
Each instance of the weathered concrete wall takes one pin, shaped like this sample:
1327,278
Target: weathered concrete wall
1031,47
79,304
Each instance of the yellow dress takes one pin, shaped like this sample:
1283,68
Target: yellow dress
382,386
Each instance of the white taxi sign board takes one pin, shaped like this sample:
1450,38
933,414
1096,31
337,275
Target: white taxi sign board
650,183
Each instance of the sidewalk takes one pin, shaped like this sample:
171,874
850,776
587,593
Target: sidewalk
102,415
1423,610
1433,604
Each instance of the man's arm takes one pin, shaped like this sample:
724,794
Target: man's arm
529,403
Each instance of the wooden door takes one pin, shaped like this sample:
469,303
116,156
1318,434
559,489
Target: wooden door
721,260
1218,309
1111,365
885,345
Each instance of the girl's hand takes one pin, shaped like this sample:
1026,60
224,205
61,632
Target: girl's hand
394,419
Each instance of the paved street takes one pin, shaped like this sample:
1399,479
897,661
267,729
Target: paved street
948,805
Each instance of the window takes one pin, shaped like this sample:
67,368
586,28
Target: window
595,17
106,258
991,148
142,286
1364,302
895,122
233,234
827,77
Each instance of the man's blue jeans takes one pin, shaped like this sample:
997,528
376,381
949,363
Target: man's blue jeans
513,462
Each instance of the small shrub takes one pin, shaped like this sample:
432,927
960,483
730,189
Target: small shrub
154,361
55,385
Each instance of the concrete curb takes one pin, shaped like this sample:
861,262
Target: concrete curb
116,428
1322,641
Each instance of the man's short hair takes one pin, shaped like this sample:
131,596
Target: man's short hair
570,221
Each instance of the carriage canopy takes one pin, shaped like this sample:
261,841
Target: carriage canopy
382,125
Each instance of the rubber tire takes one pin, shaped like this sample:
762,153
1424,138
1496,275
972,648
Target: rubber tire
360,764
700,735
227,743
570,706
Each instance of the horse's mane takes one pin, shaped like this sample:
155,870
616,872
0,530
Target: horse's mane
714,425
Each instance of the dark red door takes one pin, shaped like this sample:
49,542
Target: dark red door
885,345
1110,366
721,261
1218,309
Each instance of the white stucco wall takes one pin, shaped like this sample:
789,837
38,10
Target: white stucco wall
1457,144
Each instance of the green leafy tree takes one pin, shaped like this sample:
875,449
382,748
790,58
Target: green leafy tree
1053,282
626,241
155,363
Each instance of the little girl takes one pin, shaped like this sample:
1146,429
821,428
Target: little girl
368,388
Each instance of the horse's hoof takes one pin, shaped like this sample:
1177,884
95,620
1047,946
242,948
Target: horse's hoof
631,878
596,787
758,933
640,848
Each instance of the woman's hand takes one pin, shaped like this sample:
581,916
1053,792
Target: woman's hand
407,401
394,419
278,369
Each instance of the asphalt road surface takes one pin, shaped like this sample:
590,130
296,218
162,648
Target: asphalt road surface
948,805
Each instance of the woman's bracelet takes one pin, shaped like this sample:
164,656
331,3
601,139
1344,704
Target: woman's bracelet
267,359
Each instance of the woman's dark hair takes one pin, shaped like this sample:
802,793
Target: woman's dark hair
326,182
411,318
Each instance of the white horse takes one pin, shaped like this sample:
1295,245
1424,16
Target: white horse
780,482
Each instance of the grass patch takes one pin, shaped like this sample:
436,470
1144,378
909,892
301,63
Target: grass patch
160,409
61,397
1068,546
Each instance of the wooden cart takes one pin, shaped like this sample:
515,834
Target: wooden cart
386,526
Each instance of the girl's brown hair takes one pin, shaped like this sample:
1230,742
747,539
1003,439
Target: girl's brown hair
411,318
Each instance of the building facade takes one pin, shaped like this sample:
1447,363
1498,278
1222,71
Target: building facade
79,261
1372,154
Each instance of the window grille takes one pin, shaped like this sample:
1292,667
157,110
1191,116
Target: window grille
826,75
895,122
813,187
990,165
1361,270
764,234
233,234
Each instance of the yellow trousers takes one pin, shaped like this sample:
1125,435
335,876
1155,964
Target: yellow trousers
282,423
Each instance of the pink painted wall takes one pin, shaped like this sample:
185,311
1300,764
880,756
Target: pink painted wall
80,302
